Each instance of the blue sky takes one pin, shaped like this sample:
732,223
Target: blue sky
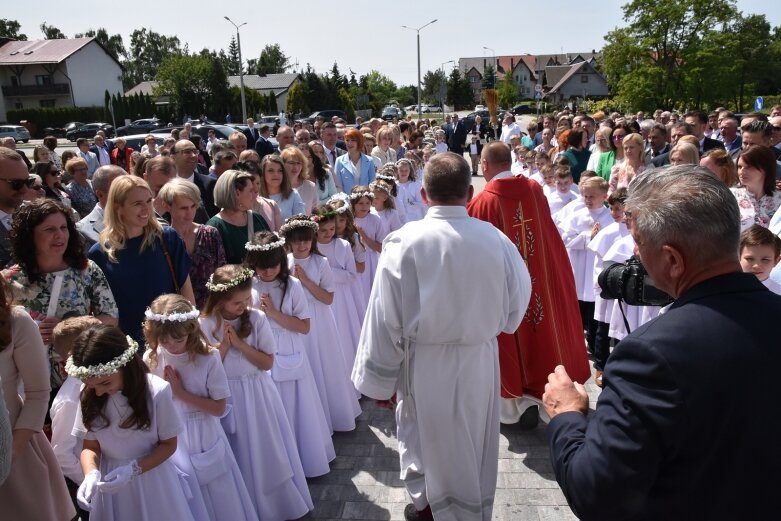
358,35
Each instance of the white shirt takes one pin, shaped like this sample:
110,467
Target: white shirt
508,131
5,218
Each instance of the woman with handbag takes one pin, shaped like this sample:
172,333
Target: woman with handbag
141,259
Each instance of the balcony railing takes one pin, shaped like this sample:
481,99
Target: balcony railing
36,90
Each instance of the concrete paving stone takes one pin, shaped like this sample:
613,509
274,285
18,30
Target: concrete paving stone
365,511
556,514
503,512
536,497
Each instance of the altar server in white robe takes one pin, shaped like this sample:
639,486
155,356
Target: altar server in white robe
446,286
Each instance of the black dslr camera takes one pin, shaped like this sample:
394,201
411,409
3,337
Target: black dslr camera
630,282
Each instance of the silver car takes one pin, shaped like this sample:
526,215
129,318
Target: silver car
18,133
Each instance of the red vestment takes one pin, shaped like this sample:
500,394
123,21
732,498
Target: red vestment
551,332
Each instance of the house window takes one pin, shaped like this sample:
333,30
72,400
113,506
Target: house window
584,78
18,105
43,79
14,81
47,103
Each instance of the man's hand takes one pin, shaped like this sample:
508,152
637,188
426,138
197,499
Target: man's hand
563,395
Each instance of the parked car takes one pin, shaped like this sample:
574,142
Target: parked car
326,114
89,130
519,110
431,108
478,108
16,132
411,108
392,112
136,141
272,121
140,126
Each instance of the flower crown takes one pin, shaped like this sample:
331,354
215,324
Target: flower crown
342,209
266,247
171,317
388,178
378,186
298,223
244,275
327,215
82,372
357,195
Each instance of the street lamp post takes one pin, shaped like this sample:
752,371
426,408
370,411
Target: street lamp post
417,30
493,66
441,93
241,70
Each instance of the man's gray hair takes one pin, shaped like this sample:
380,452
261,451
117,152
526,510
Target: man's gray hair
687,207
447,178
647,125
8,141
660,127
101,179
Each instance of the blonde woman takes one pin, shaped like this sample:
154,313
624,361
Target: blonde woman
297,170
633,165
140,258
383,150
180,199
684,153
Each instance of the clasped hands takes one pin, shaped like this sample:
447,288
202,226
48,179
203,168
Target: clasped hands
114,481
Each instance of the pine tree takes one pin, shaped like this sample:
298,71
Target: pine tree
232,67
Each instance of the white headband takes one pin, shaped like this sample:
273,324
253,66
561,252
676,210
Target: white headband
82,372
171,317
265,247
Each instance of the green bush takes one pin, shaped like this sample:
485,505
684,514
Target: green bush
41,118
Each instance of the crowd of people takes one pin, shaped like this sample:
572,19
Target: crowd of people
166,309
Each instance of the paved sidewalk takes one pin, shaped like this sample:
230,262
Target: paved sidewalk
364,480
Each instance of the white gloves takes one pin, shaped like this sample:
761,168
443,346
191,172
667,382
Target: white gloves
87,489
119,477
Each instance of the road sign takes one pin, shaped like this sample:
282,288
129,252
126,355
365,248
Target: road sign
538,88
758,103
538,95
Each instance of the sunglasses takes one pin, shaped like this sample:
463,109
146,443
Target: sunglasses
618,138
18,184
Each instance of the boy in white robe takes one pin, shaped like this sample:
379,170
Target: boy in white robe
564,193
445,287
578,230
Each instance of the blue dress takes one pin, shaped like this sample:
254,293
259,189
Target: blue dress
291,206
137,278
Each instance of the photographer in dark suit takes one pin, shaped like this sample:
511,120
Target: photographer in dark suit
458,138
688,423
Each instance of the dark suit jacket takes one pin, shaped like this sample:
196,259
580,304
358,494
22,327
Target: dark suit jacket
5,247
661,159
677,434
24,158
710,144
252,136
263,147
206,185
458,138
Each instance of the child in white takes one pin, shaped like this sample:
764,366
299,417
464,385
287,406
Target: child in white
384,205
257,426
548,179
346,230
371,231
440,146
579,229
340,258
66,446
564,194
323,342
178,352
409,192
760,252
130,437
281,297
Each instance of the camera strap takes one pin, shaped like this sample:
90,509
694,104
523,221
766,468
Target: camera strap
623,314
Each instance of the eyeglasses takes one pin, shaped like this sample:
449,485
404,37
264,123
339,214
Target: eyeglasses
18,184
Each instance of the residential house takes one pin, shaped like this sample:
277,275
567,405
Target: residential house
580,80
73,72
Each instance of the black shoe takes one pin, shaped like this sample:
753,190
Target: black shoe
413,514
530,418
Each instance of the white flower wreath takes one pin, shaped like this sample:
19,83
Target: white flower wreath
358,195
225,286
106,369
265,247
172,317
298,223
388,178
377,186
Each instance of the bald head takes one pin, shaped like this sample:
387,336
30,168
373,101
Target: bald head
447,180
496,158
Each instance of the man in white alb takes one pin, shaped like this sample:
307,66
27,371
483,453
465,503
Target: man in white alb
445,287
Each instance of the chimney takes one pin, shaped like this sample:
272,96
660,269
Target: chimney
512,63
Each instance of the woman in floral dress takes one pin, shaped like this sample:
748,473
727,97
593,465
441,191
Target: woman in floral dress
52,278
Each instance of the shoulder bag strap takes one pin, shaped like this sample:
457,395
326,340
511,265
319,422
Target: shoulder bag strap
250,226
170,264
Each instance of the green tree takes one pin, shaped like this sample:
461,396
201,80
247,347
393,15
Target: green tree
655,61
113,43
296,100
232,64
459,92
10,29
507,91
272,60
147,52
489,77
193,83
51,33
431,85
